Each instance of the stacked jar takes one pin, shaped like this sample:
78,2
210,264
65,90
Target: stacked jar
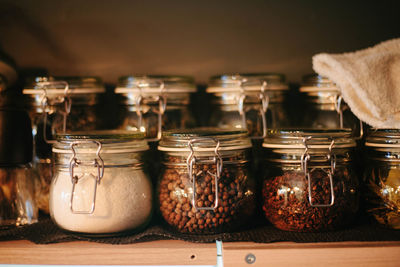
152,103
99,186
206,186
309,183
382,176
57,105
325,108
254,102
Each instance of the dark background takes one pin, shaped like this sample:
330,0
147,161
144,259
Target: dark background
199,38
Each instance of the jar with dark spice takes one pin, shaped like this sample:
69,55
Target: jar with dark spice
254,102
382,176
153,103
309,184
206,186
325,107
57,105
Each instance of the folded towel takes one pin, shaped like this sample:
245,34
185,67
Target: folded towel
369,80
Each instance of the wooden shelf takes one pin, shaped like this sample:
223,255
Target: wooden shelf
172,252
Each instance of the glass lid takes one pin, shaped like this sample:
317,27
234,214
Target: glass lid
317,83
248,82
111,141
204,139
155,84
64,85
384,138
313,138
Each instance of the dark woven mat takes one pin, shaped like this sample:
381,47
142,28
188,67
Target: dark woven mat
46,232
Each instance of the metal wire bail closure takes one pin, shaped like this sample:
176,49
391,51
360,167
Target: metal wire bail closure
338,107
45,102
97,163
263,109
162,104
305,158
192,160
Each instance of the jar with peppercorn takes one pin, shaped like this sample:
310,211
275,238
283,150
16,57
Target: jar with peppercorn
382,176
309,184
152,103
325,107
57,105
254,102
206,186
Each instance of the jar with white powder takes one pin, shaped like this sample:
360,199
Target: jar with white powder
99,186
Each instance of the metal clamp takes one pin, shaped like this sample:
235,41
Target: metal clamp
74,162
263,109
338,107
192,160
45,103
305,158
162,104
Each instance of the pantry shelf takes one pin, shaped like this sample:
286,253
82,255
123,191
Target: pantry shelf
173,252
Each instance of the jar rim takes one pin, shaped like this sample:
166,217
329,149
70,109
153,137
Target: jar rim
77,85
313,83
248,82
111,141
204,139
315,138
383,138
155,84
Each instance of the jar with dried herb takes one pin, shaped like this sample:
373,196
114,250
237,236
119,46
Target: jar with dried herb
57,105
154,103
254,102
309,184
382,176
206,186
325,107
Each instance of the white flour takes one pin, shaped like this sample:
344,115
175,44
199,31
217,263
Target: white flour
123,201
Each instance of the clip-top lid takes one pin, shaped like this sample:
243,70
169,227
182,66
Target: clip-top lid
155,84
252,82
313,83
112,141
316,138
229,139
55,86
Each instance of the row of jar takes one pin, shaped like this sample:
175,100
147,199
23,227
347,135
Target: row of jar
151,104
307,184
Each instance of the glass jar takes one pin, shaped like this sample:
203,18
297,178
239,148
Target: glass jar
309,184
206,186
382,176
99,186
325,106
249,101
17,195
155,103
58,105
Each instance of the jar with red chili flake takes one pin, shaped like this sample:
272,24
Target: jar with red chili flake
309,184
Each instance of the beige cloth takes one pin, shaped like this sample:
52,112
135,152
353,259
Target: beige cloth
369,80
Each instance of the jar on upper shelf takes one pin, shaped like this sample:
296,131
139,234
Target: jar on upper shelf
382,176
205,185
99,185
57,105
152,104
325,107
255,102
309,184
